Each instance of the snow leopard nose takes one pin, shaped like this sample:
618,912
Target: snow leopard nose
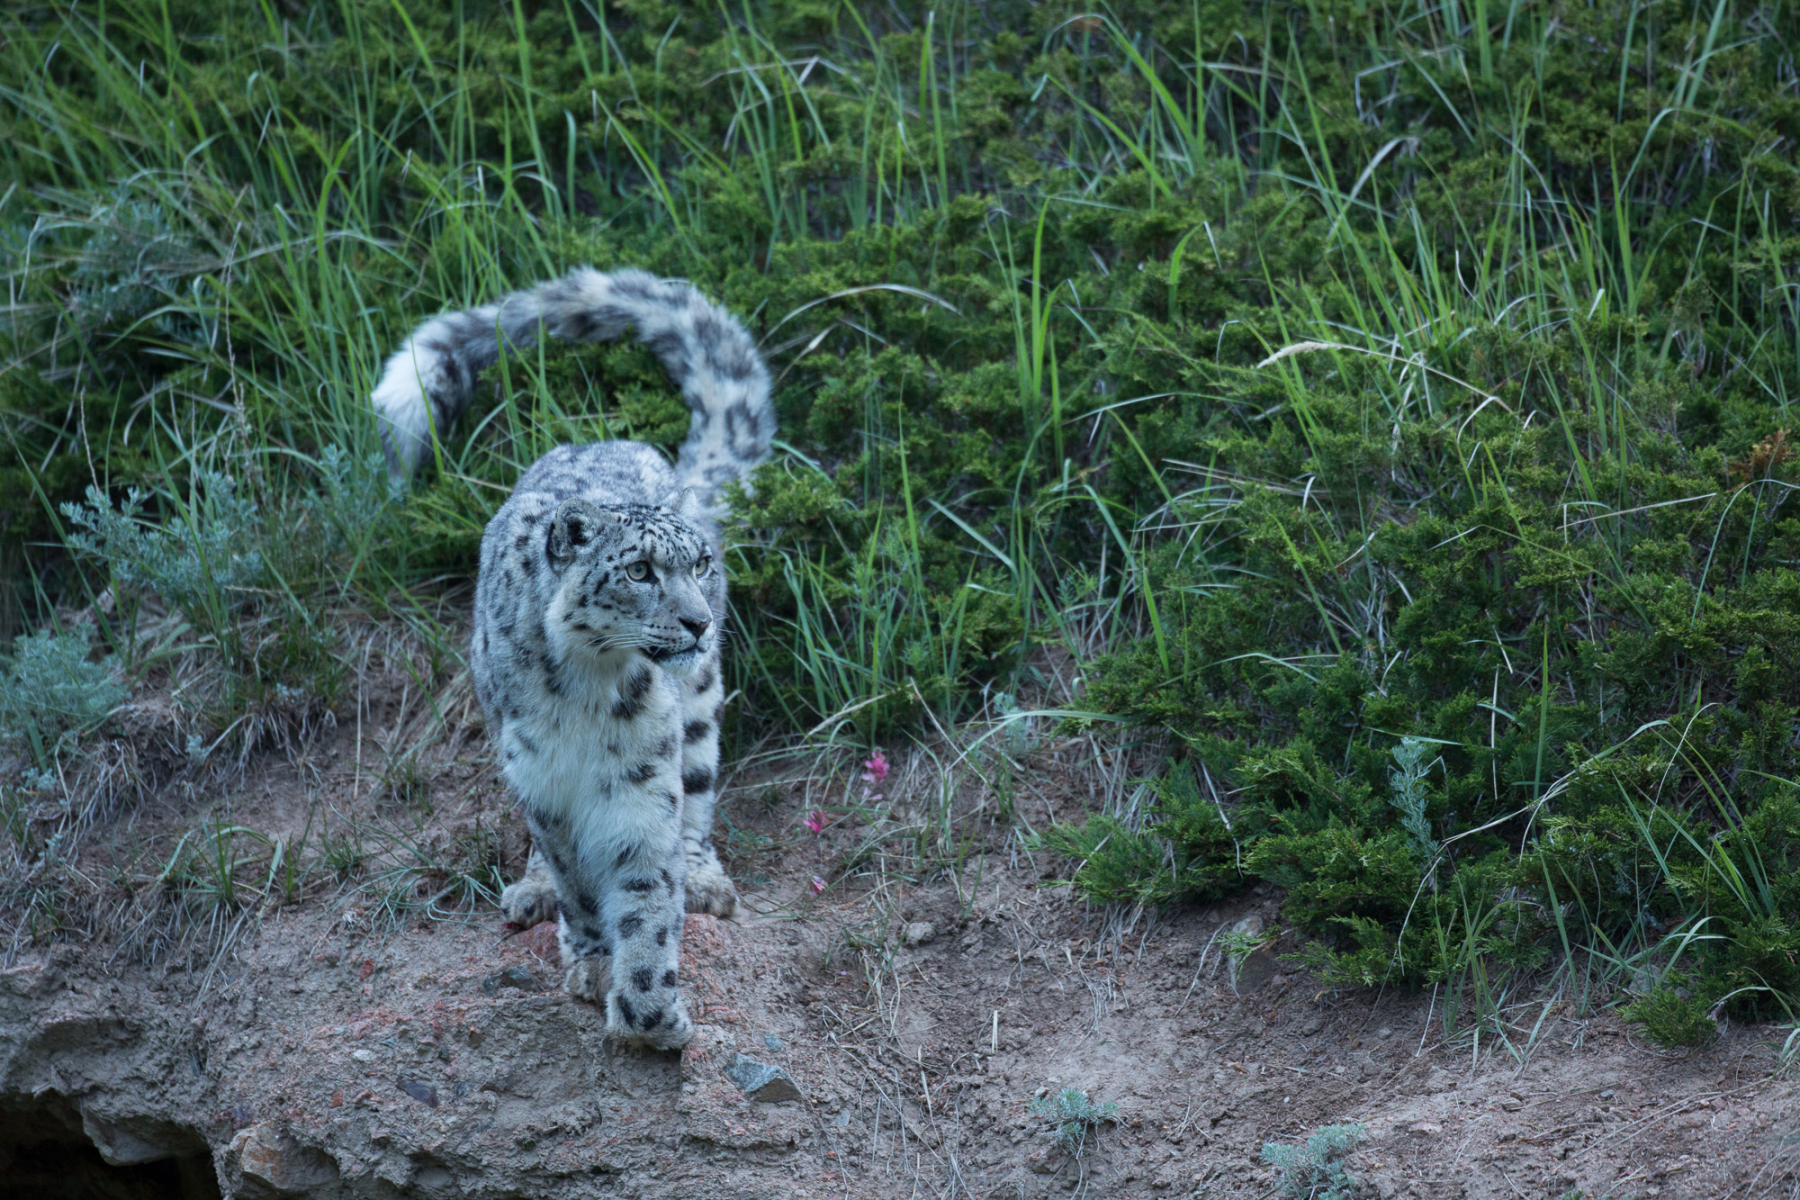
697,628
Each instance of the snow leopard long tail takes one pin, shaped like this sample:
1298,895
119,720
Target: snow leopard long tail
427,385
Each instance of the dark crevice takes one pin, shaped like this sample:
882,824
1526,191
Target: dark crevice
46,1154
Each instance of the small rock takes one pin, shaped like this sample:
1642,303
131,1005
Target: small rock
1607,1094
1384,1032
512,977
1254,971
363,1056
127,1141
1424,1128
505,1080
918,933
1313,1025
424,1093
771,1041
760,1081
269,1159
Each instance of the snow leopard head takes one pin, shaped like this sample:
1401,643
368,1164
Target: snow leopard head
634,579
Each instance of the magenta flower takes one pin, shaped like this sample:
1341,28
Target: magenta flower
818,886
875,768
815,821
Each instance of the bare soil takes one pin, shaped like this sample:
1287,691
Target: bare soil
317,1048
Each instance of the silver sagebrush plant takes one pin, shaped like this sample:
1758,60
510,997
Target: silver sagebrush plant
1408,781
1316,1170
1074,1114
51,689
191,564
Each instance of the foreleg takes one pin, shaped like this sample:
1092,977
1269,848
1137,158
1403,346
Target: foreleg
709,890
644,903
580,931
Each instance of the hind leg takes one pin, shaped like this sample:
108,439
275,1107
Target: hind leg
531,899
709,890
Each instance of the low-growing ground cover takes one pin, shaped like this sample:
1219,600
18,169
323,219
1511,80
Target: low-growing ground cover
1381,409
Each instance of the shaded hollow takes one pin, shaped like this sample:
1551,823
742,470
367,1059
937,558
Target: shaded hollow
48,1152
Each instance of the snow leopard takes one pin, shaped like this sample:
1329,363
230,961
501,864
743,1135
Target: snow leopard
599,607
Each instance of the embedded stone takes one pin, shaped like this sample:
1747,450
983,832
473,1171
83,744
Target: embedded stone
421,1091
126,1140
512,977
918,933
704,1055
269,1162
760,1081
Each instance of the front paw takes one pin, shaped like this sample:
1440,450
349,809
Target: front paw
588,979
656,1018
711,891
530,901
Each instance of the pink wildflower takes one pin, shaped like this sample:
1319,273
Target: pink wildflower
818,886
815,820
875,768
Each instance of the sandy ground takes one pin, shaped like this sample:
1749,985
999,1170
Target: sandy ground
327,1050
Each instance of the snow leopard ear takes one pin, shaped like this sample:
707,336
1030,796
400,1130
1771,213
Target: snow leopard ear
684,504
575,525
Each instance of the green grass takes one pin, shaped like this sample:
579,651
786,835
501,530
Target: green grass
1316,376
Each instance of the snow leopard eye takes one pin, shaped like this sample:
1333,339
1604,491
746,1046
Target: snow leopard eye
703,568
638,572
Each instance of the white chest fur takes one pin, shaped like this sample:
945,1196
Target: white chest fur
603,754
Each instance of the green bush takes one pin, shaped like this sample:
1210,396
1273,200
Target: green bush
1184,852
1672,1016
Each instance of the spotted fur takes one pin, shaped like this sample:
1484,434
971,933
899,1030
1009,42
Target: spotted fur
430,381
595,652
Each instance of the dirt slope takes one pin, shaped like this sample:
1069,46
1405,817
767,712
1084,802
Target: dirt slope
328,1053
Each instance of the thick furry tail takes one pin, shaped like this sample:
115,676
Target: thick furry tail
427,385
